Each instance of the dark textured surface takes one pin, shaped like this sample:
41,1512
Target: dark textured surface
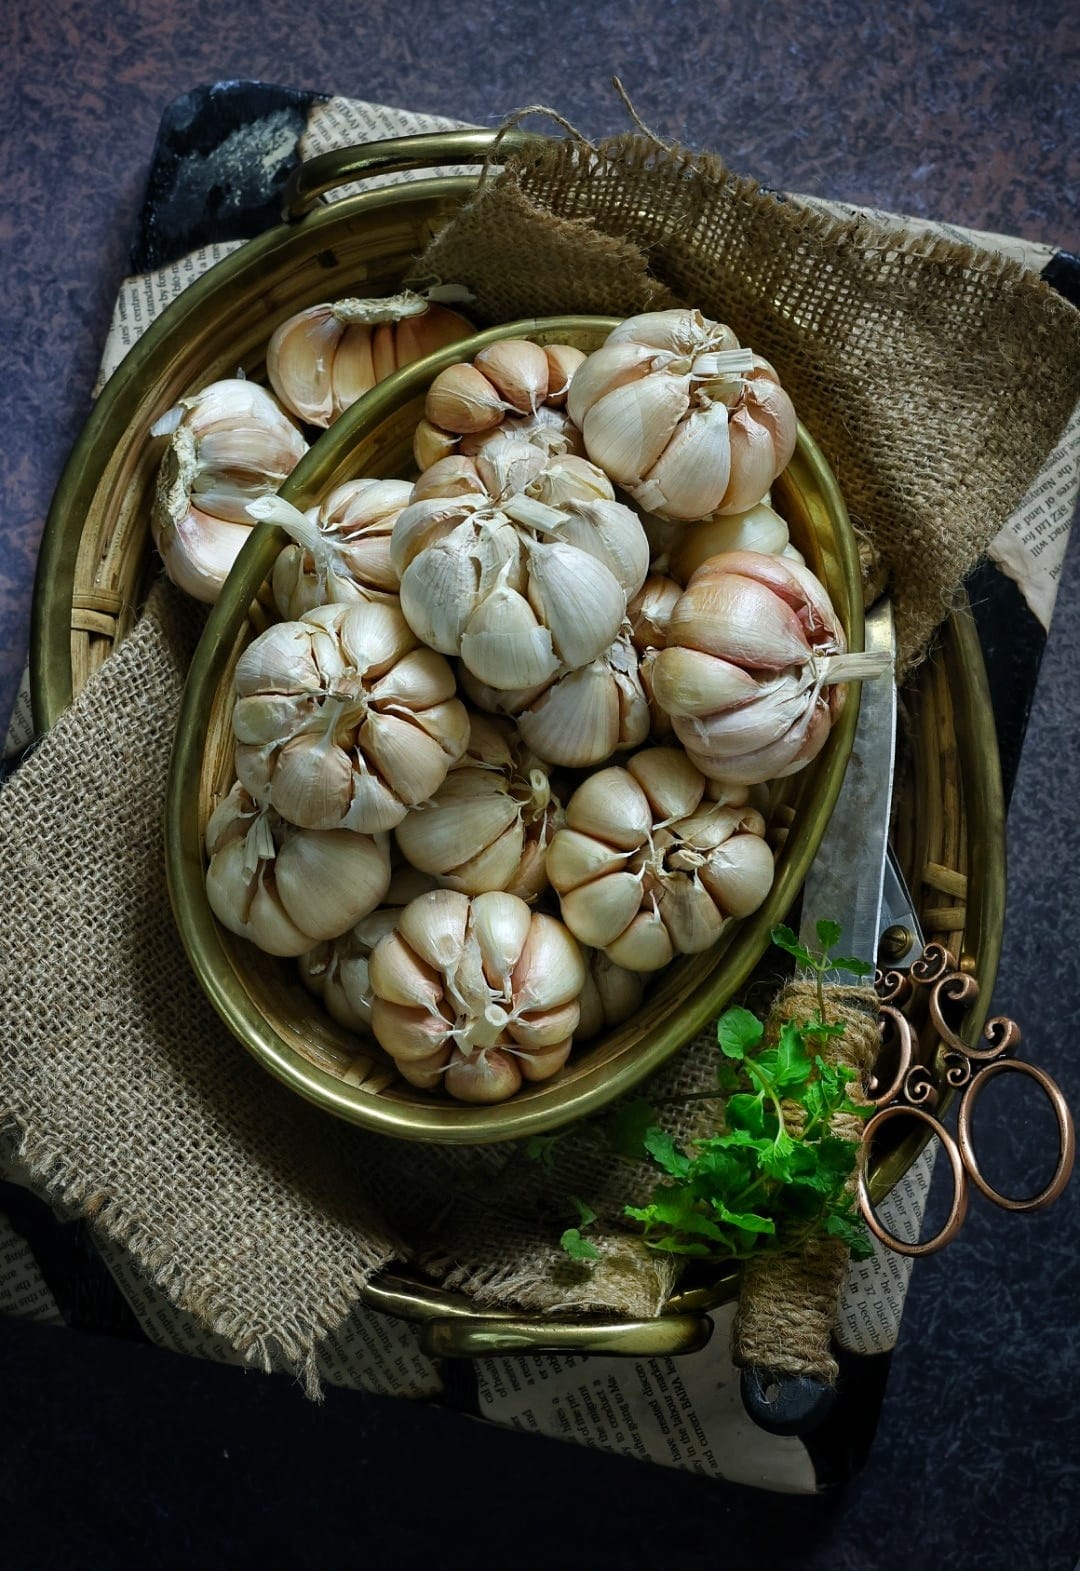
962,111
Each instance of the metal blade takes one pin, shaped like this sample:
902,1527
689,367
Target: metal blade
844,883
902,938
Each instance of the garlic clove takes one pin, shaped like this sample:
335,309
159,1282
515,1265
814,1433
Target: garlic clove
328,880
753,463
578,599
550,970
493,868
441,835
199,551
758,529
689,682
732,733
399,977
408,1035
680,331
425,1073
563,361
690,478
461,399
373,808
597,912
383,350
613,534
482,1078
669,780
418,680
438,590
434,926
425,334
612,366
311,785
504,643
454,475
352,373
574,859
548,1029
518,370
233,894
576,721
569,478
501,925
612,806
739,874
785,756
430,444
690,915
738,618
374,635
411,762
649,612
542,1064
508,468
299,358
626,431
644,945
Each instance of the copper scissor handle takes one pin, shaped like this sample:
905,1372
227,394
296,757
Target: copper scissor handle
913,1093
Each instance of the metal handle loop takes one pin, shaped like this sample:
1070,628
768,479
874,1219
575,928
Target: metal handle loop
958,1210
1066,1135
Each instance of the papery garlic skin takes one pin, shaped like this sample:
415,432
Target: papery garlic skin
476,995
671,408
337,971
489,825
228,445
581,717
513,390
648,868
283,888
322,359
341,549
611,995
518,589
753,668
342,719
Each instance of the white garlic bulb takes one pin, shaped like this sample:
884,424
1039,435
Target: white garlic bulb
513,390
760,528
286,888
489,824
342,548
520,590
611,995
581,717
343,721
322,359
228,445
647,868
671,408
753,669
476,995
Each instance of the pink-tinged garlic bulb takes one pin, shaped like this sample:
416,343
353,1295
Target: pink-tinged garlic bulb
284,888
489,824
513,390
753,670
520,590
674,410
343,721
581,717
648,868
476,995
342,548
649,614
611,995
324,358
228,445
337,971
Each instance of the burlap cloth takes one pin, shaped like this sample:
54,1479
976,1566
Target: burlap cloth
936,378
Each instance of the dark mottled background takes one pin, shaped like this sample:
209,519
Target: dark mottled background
112,1453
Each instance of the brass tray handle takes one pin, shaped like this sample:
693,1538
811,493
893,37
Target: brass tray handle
429,150
453,1327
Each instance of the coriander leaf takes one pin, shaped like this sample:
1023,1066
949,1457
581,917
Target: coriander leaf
738,1031
586,1214
663,1150
629,1125
676,1208
828,934
785,939
850,1230
746,1111
851,963
727,1076
578,1248
746,1221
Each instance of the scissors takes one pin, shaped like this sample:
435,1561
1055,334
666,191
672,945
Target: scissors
915,1091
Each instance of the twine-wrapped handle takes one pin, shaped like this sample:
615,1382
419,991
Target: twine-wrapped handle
788,1302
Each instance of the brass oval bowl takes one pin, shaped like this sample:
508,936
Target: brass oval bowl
262,999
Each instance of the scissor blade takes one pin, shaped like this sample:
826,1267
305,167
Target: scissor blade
844,883
898,914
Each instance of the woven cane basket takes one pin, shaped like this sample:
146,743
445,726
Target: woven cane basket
96,558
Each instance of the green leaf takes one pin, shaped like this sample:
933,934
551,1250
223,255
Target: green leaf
586,1214
578,1248
738,1031
746,1110
785,939
746,1221
663,1150
629,1125
850,1230
850,963
541,1148
828,934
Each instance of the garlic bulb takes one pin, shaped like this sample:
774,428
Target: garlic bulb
476,994
285,888
513,390
342,549
611,995
489,824
672,409
753,668
228,445
321,360
646,868
337,971
520,590
583,716
342,721
758,529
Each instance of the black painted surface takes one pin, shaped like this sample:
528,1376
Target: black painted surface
119,1453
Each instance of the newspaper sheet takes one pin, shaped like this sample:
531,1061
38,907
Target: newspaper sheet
23,1290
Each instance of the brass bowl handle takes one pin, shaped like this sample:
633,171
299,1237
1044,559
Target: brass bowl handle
498,1336
311,180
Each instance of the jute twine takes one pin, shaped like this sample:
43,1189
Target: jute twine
787,1302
